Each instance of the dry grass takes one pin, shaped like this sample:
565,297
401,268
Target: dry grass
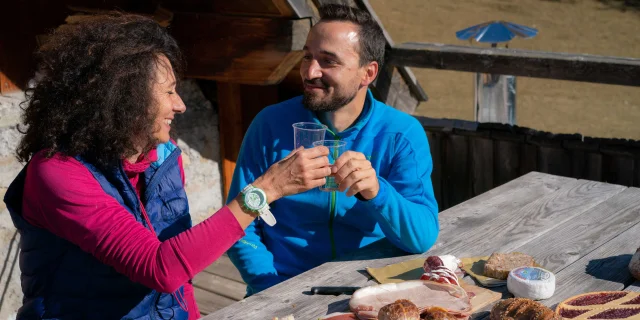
578,26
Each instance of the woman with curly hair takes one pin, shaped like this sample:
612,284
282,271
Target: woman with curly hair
100,205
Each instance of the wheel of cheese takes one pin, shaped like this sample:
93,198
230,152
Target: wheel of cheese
601,305
531,282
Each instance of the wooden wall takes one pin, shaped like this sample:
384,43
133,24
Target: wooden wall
470,158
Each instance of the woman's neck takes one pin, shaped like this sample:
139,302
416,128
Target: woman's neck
134,158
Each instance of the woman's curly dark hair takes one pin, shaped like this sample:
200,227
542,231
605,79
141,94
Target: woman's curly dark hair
94,91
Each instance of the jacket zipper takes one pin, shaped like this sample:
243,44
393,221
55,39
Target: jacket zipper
332,208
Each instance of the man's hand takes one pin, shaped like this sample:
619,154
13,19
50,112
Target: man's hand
354,172
302,170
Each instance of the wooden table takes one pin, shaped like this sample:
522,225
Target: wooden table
583,231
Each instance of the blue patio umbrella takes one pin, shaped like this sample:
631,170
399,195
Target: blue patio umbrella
496,31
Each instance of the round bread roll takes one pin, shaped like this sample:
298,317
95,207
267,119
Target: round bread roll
634,265
402,309
522,309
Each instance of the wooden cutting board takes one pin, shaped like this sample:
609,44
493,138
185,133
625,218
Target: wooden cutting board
412,270
482,297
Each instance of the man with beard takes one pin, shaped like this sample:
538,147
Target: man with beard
385,188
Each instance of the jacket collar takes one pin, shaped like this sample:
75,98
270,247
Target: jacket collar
363,119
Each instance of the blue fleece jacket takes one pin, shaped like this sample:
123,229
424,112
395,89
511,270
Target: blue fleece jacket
315,226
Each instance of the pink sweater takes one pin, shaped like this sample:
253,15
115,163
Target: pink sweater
62,196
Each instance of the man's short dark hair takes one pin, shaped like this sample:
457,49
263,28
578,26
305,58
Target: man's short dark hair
372,41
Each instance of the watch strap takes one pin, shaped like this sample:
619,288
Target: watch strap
263,212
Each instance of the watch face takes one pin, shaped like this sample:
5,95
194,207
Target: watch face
254,200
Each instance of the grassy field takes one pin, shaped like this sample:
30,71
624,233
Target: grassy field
578,26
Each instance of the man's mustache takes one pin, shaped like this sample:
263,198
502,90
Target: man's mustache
316,83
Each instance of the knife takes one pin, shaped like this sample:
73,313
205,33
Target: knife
336,291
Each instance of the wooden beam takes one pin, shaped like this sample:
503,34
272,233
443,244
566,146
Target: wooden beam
243,50
261,8
537,64
231,132
21,22
6,85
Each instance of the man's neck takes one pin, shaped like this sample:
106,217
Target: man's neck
346,116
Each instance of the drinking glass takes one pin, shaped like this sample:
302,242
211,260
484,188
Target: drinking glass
306,133
336,149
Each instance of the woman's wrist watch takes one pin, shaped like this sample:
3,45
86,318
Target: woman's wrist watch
255,200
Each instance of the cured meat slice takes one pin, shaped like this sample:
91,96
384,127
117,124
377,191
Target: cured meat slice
441,269
366,302
601,305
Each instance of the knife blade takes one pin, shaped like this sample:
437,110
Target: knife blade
336,291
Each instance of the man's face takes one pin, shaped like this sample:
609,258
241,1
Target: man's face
330,70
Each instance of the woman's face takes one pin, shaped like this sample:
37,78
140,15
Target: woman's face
167,101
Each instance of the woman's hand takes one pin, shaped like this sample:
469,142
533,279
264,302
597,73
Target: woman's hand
302,170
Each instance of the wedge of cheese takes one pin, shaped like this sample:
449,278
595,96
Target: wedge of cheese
531,282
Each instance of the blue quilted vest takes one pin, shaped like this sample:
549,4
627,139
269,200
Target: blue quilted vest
60,281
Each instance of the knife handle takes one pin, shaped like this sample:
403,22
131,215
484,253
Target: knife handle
333,290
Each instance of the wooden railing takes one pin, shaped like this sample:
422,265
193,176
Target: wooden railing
470,158
537,64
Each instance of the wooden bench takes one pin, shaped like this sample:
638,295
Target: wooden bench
218,286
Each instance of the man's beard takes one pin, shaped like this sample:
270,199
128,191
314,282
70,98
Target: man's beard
333,103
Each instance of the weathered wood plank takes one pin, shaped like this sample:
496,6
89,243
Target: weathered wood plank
633,287
501,200
528,159
224,267
220,285
481,150
576,237
245,50
455,170
209,302
509,230
618,169
554,160
561,66
594,167
507,161
395,91
603,269
435,145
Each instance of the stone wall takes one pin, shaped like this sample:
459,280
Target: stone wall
197,134
11,296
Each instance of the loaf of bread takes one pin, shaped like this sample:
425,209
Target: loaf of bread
437,313
402,309
499,265
522,309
